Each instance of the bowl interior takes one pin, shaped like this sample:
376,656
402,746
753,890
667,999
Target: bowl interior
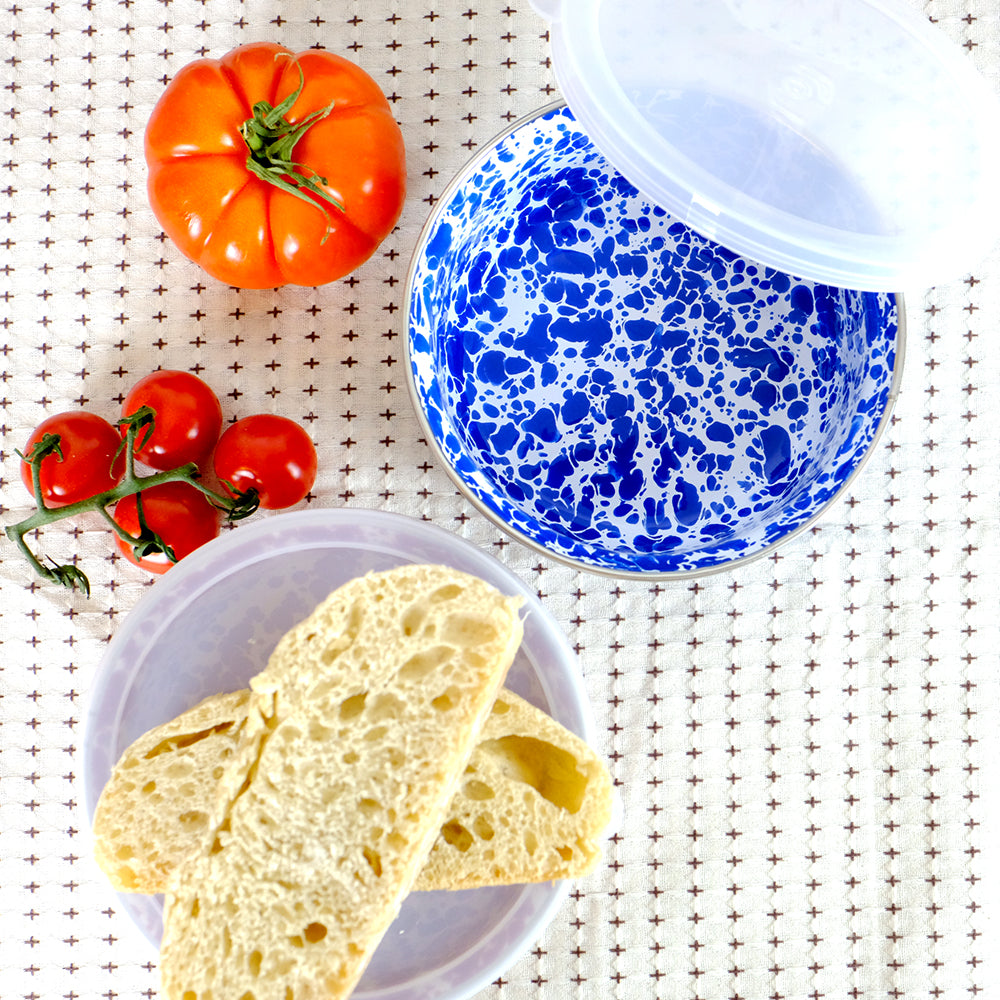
209,626
619,390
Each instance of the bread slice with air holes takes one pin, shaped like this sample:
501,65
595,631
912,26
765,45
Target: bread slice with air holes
357,735
533,804
531,807
158,801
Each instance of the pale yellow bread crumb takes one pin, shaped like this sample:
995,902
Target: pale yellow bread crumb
358,733
159,798
531,806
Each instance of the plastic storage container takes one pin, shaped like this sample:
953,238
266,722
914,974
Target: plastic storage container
846,141
210,624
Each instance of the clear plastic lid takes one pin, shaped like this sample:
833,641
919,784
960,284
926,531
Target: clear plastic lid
846,141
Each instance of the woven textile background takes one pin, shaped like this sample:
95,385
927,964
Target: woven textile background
806,748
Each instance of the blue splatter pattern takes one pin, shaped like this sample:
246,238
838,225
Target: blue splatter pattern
620,391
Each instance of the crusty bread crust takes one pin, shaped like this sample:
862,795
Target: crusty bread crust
358,732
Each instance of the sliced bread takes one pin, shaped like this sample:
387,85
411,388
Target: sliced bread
358,733
531,806
158,801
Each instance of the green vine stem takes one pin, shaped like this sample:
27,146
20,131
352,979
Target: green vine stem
236,507
270,138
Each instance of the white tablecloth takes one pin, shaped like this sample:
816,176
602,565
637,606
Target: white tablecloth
805,747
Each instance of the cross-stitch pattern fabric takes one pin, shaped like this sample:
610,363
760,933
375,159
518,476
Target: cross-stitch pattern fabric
805,747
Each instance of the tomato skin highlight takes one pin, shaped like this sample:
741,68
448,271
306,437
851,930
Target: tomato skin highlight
88,443
188,419
180,514
270,454
243,230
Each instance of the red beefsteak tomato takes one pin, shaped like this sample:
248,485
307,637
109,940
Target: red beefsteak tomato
269,168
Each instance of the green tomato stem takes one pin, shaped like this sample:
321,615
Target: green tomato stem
270,139
18,538
36,481
117,528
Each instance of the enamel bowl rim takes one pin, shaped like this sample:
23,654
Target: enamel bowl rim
456,182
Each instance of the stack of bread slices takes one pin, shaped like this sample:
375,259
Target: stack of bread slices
377,753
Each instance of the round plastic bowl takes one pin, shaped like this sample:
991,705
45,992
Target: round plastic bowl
616,390
209,626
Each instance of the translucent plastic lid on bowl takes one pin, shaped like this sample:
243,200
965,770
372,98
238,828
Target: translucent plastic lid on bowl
846,141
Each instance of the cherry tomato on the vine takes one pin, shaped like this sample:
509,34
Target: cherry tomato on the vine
271,454
88,444
188,419
180,514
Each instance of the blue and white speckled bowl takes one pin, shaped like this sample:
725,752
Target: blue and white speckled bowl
620,392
